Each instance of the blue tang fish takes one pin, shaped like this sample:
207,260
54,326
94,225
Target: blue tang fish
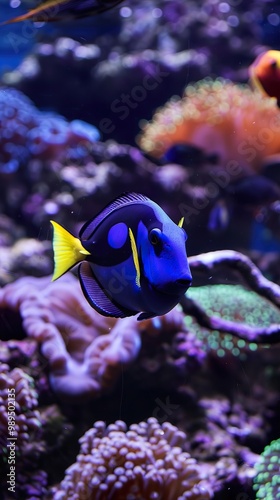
132,258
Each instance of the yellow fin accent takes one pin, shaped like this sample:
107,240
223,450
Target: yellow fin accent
135,256
181,222
68,250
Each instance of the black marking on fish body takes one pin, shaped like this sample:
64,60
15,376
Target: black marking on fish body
98,296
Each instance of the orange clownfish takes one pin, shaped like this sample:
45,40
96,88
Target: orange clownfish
265,73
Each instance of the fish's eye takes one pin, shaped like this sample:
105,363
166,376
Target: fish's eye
273,64
155,236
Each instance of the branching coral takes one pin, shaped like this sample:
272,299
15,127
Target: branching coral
217,439
144,461
267,480
219,117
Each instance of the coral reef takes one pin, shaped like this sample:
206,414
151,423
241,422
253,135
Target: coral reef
136,79
26,415
85,354
211,366
236,264
220,117
170,353
85,351
27,133
27,256
221,436
169,41
267,480
83,357
21,421
143,461
74,186
247,307
75,339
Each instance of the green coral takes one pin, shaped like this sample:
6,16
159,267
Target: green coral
267,480
233,303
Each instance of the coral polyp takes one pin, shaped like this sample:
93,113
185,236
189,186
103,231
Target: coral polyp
220,117
144,461
246,307
267,480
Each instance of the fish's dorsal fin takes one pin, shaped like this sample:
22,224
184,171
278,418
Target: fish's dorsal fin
135,257
181,222
88,229
97,297
68,250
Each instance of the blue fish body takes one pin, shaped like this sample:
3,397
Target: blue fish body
136,259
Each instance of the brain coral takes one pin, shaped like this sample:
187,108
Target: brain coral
85,351
145,461
267,480
220,117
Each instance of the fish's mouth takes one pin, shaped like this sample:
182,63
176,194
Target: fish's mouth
177,287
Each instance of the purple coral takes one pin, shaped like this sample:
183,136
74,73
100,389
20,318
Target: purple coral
169,354
27,418
27,133
144,461
85,351
18,116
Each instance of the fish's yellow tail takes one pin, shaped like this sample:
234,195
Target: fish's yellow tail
68,250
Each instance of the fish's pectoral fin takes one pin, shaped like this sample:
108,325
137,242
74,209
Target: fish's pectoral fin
68,250
135,257
97,297
181,222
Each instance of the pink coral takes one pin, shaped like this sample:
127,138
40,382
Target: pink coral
144,461
220,117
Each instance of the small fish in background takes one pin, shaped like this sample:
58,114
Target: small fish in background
271,168
252,192
132,258
60,10
265,74
188,155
